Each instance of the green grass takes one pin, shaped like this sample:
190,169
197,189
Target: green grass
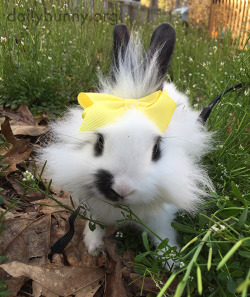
46,65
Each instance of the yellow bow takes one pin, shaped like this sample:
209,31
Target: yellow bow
102,109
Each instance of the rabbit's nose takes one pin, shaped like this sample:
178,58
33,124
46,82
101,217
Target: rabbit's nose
123,191
123,186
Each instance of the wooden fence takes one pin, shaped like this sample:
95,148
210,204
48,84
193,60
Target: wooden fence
134,10
233,16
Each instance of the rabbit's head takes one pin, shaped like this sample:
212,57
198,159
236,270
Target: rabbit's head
130,160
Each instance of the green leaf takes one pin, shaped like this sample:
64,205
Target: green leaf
141,256
139,270
231,285
155,267
3,258
226,213
5,294
183,228
145,240
237,193
244,254
163,244
2,199
243,217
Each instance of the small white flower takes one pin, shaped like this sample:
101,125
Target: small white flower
187,92
38,63
222,63
119,234
49,58
190,74
28,176
222,227
25,27
181,264
215,229
246,92
3,39
190,59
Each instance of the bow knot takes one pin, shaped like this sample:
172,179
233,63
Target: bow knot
102,109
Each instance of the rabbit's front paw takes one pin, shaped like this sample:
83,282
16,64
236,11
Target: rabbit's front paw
93,240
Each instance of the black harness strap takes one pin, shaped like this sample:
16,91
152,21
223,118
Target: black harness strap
207,110
62,242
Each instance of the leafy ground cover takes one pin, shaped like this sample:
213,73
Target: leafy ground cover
46,64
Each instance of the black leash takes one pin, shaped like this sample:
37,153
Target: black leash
62,242
207,110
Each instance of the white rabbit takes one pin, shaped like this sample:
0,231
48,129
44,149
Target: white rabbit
130,161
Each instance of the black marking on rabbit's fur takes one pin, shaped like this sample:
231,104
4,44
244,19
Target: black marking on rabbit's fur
103,182
156,155
99,145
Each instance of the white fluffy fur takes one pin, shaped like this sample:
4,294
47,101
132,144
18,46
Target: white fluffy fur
153,190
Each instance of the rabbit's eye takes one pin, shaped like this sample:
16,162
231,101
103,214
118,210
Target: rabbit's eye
99,145
156,150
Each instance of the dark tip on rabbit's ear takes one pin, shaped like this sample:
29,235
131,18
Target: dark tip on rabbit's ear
121,37
162,42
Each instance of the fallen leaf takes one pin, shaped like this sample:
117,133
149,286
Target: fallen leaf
20,150
24,123
28,194
24,239
114,285
61,281
26,115
30,130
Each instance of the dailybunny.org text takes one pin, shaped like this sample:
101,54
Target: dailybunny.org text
32,16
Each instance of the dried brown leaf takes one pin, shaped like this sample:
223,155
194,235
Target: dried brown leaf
29,130
62,281
27,240
20,150
26,115
29,195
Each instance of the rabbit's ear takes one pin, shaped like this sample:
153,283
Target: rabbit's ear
162,44
121,37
